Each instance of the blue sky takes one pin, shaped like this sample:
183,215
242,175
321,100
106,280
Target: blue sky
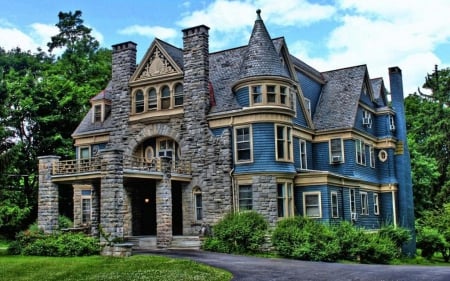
327,34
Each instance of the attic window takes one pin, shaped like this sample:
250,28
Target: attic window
98,113
367,118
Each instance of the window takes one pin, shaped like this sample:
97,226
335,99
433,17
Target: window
86,206
367,118
283,95
308,105
98,113
285,199
391,123
257,94
283,143
360,152
312,206
198,205
165,97
152,99
139,102
166,148
243,144
334,205
271,94
372,156
364,203
84,152
353,202
336,151
376,204
303,155
245,197
149,154
178,96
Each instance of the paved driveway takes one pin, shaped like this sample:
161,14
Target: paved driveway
265,269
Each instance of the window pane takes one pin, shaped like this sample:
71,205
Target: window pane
243,147
139,101
283,95
178,94
84,153
256,94
245,197
271,94
165,98
152,99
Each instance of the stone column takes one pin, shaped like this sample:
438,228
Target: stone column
112,194
164,207
48,195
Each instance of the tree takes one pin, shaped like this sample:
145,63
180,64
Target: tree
42,100
428,123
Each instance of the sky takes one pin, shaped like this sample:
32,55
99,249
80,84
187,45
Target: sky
326,34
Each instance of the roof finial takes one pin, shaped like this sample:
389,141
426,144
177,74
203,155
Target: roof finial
258,12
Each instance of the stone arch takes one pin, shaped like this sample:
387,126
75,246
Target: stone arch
149,131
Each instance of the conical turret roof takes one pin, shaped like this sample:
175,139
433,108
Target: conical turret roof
261,57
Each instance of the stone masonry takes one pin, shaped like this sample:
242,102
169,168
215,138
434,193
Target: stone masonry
48,211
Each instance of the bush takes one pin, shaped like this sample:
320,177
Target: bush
239,233
398,235
64,222
25,238
305,239
376,248
348,238
63,245
430,241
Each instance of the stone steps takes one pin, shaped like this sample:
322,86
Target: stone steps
178,242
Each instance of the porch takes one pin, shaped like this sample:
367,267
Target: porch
178,242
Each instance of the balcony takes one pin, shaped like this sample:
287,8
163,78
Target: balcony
94,165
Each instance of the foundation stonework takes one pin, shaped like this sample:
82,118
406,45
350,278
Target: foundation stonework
48,208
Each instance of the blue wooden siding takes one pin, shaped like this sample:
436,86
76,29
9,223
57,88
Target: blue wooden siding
311,90
321,158
371,130
264,152
309,154
242,96
300,118
386,208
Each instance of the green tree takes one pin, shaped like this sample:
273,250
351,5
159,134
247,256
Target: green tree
428,123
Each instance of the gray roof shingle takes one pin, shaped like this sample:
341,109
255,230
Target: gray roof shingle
339,99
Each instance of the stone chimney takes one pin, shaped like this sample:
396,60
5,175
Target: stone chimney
123,67
402,160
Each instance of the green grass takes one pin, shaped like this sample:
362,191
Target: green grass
106,268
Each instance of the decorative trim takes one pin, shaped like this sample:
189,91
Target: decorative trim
382,155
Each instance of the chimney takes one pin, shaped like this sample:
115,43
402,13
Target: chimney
196,69
402,161
123,67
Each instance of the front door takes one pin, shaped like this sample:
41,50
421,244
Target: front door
177,208
144,211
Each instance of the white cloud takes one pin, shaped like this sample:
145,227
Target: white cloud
162,33
11,37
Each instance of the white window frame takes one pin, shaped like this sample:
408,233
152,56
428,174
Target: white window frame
372,156
336,155
334,204
376,204
285,199
197,203
303,154
308,105
367,118
360,149
86,197
284,143
97,113
319,204
364,203
236,142
391,123
242,201
352,201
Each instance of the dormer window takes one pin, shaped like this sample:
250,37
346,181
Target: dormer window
98,113
391,123
367,118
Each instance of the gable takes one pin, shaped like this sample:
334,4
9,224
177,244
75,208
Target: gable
156,63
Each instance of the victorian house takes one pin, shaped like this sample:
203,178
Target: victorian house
185,136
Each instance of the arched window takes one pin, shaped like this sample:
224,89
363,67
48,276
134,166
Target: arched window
152,99
139,101
165,97
178,94
198,205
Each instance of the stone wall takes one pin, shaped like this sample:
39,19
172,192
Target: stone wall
265,197
48,209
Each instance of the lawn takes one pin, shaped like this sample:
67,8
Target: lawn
99,268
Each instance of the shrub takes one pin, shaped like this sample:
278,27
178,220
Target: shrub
63,245
376,248
430,241
398,235
240,233
348,238
305,239
64,222
25,238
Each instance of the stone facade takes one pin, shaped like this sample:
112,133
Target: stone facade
48,209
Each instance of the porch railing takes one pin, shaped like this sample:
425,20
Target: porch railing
77,166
